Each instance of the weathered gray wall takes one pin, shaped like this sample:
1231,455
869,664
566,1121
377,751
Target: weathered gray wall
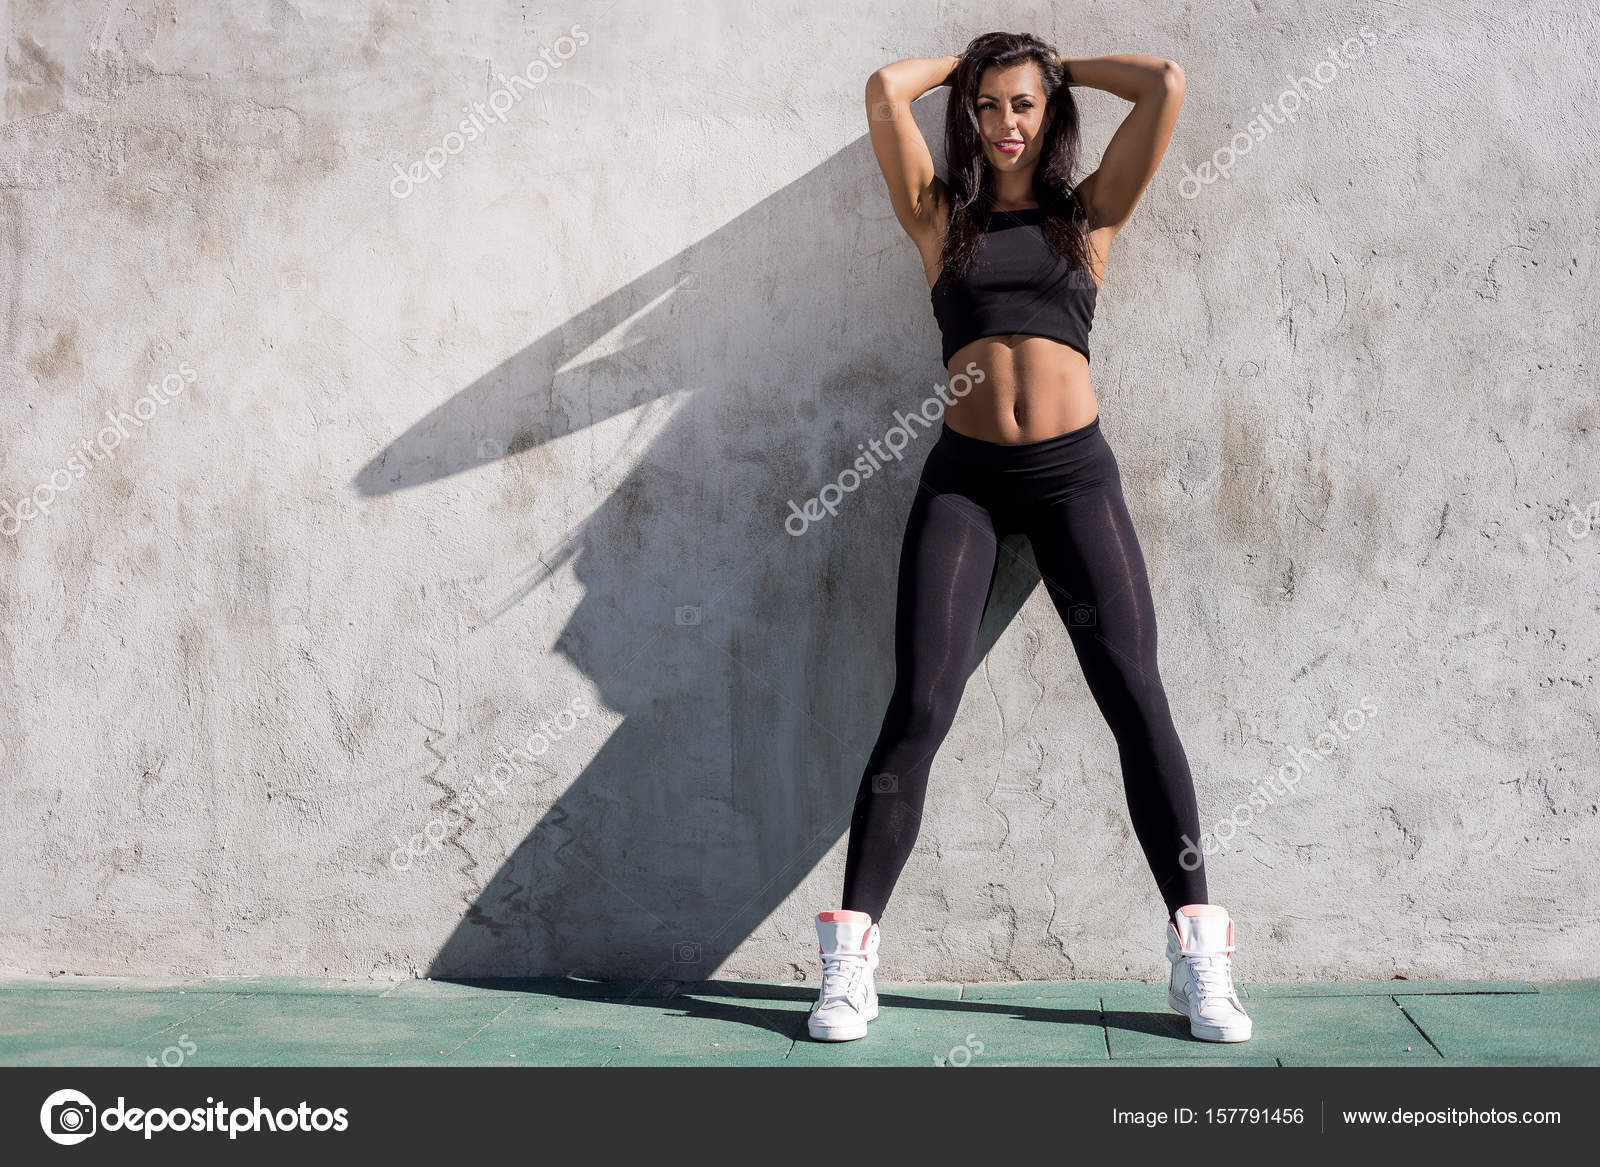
455,464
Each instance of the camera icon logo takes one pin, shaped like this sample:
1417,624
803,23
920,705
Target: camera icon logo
885,784
687,615
686,952
1081,615
68,1117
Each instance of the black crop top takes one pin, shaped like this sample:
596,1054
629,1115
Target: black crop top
1016,284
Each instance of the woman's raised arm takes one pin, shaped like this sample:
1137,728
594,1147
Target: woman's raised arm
901,151
1155,86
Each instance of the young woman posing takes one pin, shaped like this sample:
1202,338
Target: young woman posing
1014,254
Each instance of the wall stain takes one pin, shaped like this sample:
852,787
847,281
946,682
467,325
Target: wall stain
59,361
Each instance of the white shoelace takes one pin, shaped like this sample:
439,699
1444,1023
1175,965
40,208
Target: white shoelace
840,973
1210,974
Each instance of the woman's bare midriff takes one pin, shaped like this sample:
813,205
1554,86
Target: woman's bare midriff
1033,388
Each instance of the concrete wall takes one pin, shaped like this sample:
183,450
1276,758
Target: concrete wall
443,466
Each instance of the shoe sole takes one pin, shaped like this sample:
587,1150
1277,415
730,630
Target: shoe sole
1206,1031
841,1032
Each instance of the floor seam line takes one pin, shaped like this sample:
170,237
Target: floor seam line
181,1021
481,1028
1415,1025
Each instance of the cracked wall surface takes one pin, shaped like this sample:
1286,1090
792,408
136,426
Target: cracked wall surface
404,585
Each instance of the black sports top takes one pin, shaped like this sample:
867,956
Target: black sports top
1016,284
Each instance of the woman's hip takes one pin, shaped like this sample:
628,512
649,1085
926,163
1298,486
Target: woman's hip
1023,473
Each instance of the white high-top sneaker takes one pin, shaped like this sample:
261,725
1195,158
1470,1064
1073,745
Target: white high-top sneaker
1201,985
848,942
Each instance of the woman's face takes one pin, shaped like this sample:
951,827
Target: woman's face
1012,115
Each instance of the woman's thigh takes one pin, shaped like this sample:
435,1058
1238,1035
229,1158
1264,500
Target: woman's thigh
1089,557
947,564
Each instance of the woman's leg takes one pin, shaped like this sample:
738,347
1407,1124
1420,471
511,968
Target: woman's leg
1088,554
947,564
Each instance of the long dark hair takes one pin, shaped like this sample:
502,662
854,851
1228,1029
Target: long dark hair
970,185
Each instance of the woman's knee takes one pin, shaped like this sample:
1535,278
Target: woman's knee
1132,696
925,716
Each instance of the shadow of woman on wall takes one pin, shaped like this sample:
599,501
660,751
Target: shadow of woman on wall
749,665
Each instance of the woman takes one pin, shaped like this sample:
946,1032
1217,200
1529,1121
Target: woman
1014,254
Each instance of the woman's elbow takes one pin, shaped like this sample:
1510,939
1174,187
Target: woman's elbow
1172,78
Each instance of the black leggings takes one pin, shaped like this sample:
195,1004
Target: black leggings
1065,494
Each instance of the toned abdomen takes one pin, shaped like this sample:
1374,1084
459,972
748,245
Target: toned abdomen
1032,388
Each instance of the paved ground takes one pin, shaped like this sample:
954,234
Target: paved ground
262,1021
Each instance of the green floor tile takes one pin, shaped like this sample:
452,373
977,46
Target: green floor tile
560,987
1547,1029
786,988
688,1030
291,1029
706,1030
225,985
1077,991
1333,1030
1588,986
917,1027
257,986
42,982
908,990
48,1027
570,1021
1381,988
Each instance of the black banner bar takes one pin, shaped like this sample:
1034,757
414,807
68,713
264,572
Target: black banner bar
323,1114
